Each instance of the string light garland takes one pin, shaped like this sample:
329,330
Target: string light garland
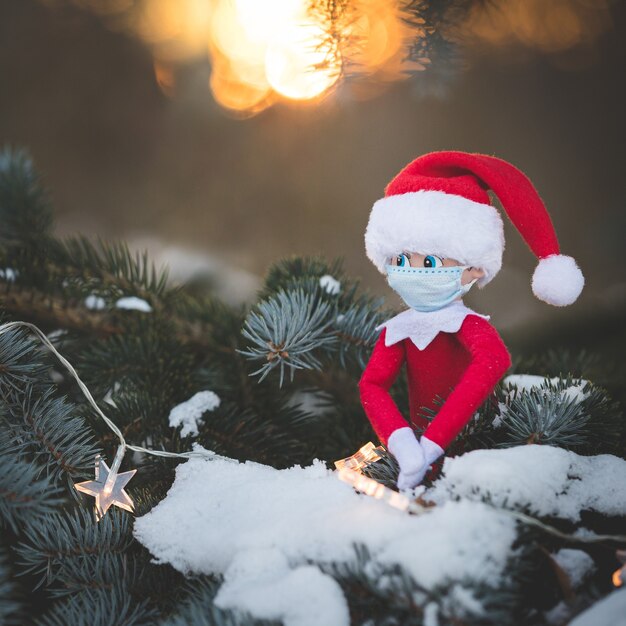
349,471
108,486
376,490
361,458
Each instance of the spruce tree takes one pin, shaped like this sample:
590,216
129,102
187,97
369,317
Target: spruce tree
286,371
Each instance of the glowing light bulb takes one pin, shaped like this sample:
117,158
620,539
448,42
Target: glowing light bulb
301,65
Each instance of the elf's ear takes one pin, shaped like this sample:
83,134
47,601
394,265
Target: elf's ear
472,273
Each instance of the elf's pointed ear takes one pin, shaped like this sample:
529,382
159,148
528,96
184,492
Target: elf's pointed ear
470,274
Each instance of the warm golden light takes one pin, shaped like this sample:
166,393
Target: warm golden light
369,453
300,64
233,92
551,27
618,577
265,51
372,488
349,471
176,29
164,77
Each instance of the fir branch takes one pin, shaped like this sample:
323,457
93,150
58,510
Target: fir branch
385,470
19,359
378,593
99,608
544,419
10,607
25,212
285,331
46,429
388,594
570,413
205,320
290,273
151,358
54,310
111,268
356,330
280,437
436,26
26,498
198,608
73,551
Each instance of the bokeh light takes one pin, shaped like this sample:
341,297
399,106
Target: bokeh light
266,51
552,28
298,64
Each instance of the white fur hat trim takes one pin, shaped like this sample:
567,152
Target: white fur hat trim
434,222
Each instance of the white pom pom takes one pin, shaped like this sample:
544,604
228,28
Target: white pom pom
558,280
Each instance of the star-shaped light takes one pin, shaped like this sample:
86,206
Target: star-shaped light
108,487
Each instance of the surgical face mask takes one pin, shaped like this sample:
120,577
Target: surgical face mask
428,288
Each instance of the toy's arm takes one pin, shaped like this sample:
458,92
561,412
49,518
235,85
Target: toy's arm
378,376
489,361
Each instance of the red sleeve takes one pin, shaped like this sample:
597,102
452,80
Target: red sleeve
378,376
489,360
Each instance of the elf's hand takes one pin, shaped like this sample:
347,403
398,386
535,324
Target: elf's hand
414,458
403,444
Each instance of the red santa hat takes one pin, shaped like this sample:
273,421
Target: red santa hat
438,204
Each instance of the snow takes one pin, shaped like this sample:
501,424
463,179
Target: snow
526,382
267,530
610,611
330,285
95,303
133,303
578,565
55,376
57,335
458,538
218,512
431,617
234,286
544,480
108,396
262,583
558,614
9,274
189,413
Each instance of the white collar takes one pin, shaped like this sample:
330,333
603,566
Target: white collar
421,328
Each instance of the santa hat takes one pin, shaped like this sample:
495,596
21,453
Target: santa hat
438,204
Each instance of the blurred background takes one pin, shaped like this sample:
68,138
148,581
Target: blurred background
225,134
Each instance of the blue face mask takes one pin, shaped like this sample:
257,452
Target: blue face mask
428,288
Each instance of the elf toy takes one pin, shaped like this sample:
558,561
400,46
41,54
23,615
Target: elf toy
434,235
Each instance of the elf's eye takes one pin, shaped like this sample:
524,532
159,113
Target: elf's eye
403,260
432,261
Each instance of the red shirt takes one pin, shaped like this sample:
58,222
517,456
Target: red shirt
461,368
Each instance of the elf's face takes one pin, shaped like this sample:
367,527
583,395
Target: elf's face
415,259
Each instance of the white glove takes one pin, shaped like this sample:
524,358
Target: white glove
414,457
432,450
403,444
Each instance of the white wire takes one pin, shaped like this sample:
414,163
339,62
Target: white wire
162,453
